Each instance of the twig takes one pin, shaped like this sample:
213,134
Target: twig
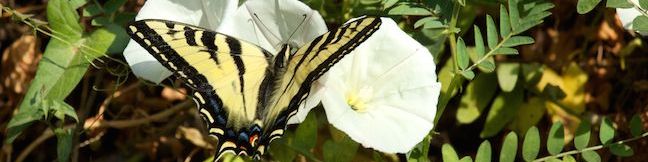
114,124
134,122
593,148
46,135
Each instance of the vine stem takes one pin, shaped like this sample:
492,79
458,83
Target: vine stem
453,40
54,34
490,53
593,148
638,8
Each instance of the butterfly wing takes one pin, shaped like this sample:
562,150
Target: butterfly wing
227,76
308,64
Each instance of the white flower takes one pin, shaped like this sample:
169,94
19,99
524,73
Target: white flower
273,25
384,93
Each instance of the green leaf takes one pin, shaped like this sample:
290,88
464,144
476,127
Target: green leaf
621,150
377,157
502,111
111,39
618,4
553,92
92,10
449,83
505,22
448,153
507,75
468,74
505,51
281,150
636,127
491,32
529,114
63,144
77,3
462,2
518,40
487,65
389,3
62,109
476,97
466,159
541,8
434,25
606,131
531,21
484,152
21,120
480,50
585,6
553,159
532,73
509,148
420,151
582,136
531,145
514,14
113,5
591,156
306,132
424,20
62,65
643,4
462,54
409,9
640,24
568,158
343,150
556,139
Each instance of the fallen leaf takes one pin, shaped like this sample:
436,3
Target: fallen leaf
194,136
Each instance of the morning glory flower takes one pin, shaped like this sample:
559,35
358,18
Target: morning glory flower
268,24
384,93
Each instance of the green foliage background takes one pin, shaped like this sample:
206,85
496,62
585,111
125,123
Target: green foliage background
518,102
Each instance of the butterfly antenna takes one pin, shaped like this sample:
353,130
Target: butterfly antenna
265,27
305,17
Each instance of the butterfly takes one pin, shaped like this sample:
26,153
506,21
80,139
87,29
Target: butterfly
244,93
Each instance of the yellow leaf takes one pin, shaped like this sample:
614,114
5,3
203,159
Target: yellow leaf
572,83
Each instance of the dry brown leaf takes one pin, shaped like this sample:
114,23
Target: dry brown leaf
194,136
19,63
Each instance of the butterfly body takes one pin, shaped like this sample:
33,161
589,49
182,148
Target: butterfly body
245,94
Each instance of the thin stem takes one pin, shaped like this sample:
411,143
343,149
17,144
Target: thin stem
638,8
593,148
453,39
490,53
28,21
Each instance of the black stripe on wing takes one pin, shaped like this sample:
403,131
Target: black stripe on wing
335,57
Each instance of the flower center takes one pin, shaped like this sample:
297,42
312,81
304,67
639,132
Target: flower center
357,100
355,103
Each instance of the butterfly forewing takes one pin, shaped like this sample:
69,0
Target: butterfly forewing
309,63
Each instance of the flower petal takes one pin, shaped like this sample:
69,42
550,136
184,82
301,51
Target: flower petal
275,22
395,78
203,13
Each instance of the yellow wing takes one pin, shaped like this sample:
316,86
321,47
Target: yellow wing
226,74
308,64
